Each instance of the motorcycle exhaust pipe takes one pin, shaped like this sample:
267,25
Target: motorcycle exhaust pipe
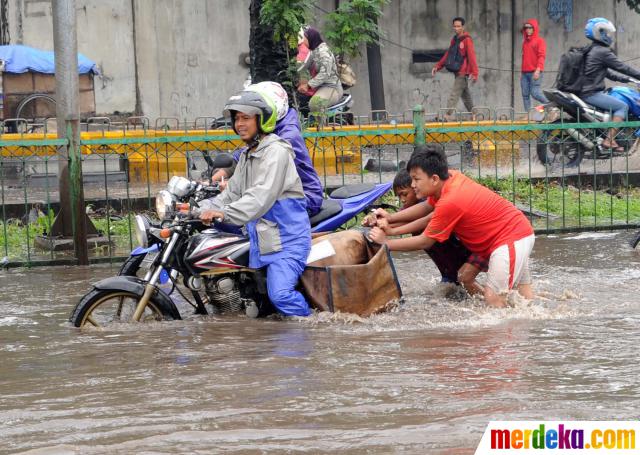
581,138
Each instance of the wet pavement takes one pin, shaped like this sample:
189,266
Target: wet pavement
425,378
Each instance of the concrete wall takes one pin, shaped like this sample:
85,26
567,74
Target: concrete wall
411,24
188,52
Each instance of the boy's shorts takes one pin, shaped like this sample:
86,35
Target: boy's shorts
509,265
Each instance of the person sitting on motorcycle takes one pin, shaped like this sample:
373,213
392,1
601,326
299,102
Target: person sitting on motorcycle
265,195
327,85
288,128
598,63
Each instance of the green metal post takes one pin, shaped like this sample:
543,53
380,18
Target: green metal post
418,124
78,214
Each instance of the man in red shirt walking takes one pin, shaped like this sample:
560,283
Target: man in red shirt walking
460,60
486,223
534,51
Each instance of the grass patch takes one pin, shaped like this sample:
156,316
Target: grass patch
17,238
576,207
588,206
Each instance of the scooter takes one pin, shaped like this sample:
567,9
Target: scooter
570,146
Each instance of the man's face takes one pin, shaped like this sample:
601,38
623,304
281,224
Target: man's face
458,27
423,184
246,126
528,28
406,195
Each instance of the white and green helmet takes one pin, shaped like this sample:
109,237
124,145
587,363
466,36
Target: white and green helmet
276,93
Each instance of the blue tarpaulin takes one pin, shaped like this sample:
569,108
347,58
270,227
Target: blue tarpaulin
20,59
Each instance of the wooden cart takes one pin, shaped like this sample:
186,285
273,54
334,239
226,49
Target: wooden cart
28,99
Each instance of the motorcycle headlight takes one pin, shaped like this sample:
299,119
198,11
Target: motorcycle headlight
164,204
141,227
179,186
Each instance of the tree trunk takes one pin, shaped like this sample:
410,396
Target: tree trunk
268,58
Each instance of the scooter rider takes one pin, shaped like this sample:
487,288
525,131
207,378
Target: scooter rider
288,128
598,63
265,195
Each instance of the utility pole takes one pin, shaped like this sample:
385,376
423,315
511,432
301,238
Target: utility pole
72,219
376,83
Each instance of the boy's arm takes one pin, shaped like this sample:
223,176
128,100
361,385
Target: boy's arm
542,54
410,228
418,242
409,214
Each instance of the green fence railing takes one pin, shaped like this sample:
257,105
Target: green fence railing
557,173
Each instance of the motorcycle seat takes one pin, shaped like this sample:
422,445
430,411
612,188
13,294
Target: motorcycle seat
346,99
329,208
348,191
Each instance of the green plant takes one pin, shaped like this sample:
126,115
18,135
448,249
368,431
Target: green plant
568,201
354,23
286,17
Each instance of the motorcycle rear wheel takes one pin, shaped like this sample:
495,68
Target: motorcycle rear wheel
558,146
104,307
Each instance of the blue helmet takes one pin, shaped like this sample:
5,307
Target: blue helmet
600,29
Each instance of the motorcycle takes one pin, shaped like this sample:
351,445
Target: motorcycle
214,266
571,145
343,204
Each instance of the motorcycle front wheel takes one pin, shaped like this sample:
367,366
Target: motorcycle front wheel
131,265
104,307
558,146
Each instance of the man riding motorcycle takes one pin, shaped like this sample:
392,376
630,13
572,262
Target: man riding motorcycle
288,128
266,196
599,60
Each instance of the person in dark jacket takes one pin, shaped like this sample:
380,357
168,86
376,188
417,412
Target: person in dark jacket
469,68
288,128
534,51
598,63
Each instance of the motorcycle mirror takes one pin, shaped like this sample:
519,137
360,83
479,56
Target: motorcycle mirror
222,160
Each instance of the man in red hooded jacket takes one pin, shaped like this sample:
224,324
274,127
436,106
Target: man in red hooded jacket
469,67
534,51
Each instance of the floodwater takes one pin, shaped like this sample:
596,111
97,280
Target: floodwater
425,378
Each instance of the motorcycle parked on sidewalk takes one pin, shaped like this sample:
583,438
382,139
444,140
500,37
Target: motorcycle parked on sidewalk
570,146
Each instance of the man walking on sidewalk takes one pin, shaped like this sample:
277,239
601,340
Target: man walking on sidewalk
460,60
534,51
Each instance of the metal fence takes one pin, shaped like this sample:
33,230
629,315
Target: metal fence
557,173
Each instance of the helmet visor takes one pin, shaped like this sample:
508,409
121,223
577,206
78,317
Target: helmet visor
249,110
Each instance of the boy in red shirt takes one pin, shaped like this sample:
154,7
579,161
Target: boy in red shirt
486,223
455,263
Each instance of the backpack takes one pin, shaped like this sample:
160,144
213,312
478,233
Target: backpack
455,59
346,74
571,70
